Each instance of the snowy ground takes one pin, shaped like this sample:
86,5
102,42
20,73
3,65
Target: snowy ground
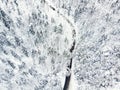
36,37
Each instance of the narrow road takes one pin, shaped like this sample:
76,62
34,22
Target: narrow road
67,78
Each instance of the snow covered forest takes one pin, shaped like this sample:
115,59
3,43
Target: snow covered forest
59,44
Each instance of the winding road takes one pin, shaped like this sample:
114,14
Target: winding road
67,78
